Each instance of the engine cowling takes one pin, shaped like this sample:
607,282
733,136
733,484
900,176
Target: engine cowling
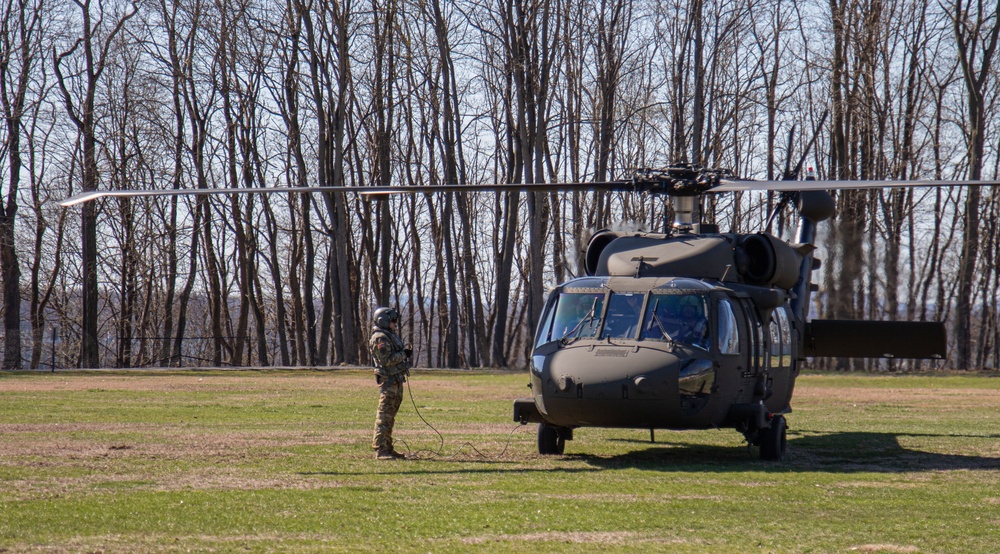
764,260
755,259
595,247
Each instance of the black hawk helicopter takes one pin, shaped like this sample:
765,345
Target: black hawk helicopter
696,329
689,328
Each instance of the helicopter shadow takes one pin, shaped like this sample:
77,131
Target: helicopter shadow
843,452
498,467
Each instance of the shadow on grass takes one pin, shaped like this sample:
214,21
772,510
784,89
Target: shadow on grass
399,469
848,452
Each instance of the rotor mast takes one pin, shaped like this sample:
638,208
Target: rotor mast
684,214
684,183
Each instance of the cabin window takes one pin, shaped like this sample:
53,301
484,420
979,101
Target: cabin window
729,331
760,345
786,337
576,316
756,335
679,318
776,340
622,319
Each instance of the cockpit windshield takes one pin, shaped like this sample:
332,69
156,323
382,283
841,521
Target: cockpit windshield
677,318
658,316
622,319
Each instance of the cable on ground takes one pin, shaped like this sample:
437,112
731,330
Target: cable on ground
437,455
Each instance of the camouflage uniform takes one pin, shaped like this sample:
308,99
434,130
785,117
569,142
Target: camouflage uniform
391,366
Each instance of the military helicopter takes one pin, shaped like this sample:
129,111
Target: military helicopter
688,328
695,329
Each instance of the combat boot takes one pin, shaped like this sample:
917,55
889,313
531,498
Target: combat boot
397,455
384,455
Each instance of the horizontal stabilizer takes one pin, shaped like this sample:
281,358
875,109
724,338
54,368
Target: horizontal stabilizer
845,338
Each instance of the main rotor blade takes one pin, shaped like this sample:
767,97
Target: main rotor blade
731,185
726,185
367,191
94,195
506,187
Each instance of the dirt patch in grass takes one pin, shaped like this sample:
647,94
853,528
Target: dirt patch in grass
186,381
617,538
166,441
898,396
219,478
884,548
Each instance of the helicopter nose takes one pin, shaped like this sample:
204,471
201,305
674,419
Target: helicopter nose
630,387
643,373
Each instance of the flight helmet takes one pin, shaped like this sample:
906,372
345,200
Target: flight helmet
385,316
690,306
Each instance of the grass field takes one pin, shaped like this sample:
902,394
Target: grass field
281,461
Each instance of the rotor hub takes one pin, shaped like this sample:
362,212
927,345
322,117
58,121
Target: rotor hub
680,179
684,183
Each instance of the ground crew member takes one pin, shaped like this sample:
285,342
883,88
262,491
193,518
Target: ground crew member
392,359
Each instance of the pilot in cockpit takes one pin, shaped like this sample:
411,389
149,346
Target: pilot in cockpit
678,319
693,324
577,315
623,316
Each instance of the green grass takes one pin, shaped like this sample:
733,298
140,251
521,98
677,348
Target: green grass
281,461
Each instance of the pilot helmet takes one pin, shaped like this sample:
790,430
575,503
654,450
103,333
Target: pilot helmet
385,316
690,301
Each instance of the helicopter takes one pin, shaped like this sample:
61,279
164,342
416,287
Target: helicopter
696,329
688,328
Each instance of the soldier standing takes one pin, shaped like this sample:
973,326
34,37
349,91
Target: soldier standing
391,358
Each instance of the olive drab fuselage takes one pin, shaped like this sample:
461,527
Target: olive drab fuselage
691,331
649,377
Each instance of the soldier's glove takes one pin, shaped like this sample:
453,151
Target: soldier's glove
409,353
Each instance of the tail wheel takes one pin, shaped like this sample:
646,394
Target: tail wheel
774,440
550,440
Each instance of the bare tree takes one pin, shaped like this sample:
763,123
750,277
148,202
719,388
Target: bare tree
977,30
41,293
328,31
303,250
20,50
89,55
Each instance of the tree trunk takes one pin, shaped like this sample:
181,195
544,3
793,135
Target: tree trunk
976,79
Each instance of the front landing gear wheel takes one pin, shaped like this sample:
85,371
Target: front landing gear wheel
550,440
774,440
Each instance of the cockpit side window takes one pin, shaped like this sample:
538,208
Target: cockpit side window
729,331
545,324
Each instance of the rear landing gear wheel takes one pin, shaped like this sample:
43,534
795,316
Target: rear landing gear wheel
550,440
773,440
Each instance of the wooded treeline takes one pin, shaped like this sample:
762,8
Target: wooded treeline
159,94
